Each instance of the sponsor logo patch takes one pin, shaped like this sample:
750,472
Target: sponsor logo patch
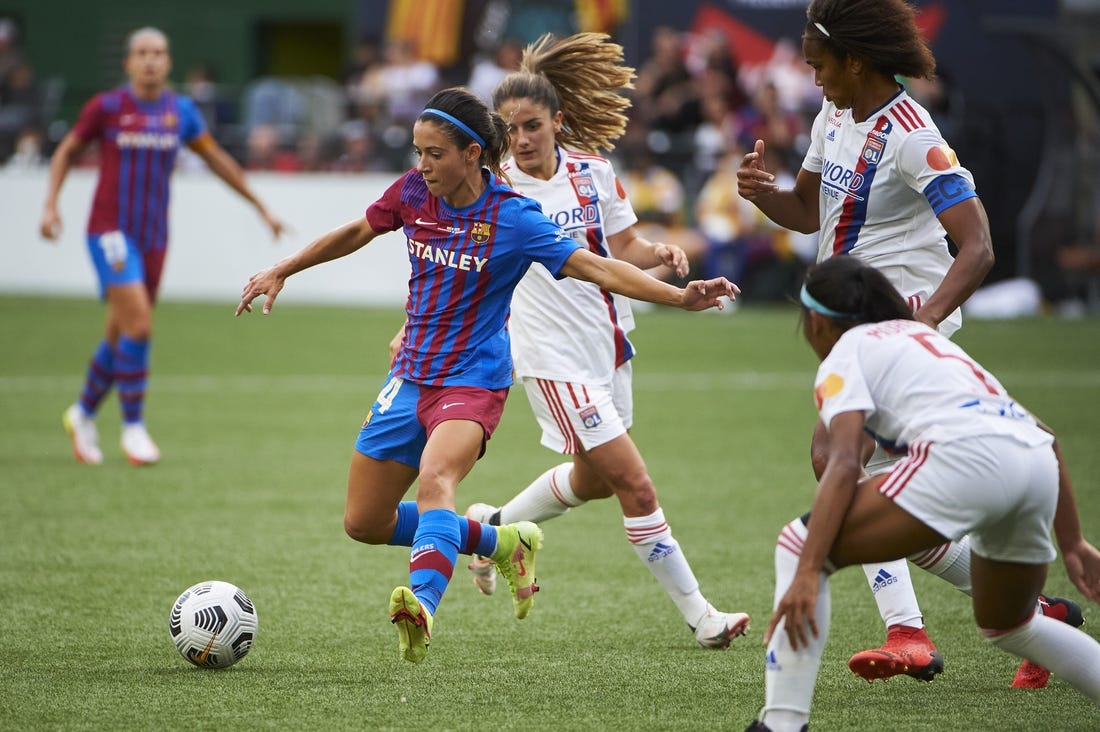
830,386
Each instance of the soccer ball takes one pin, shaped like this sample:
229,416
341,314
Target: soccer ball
213,624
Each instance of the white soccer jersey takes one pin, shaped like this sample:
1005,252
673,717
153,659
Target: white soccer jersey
883,182
915,385
570,330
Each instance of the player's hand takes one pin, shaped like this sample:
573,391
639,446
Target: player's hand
277,227
922,316
705,294
753,179
267,283
50,226
672,256
797,609
1083,568
395,343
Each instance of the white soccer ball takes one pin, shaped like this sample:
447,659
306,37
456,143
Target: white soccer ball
213,624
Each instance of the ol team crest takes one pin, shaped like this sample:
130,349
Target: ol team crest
590,417
583,184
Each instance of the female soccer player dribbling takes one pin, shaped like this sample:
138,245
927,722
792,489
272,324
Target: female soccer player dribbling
975,463
470,239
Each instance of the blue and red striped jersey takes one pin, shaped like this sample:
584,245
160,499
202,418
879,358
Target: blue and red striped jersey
138,142
465,264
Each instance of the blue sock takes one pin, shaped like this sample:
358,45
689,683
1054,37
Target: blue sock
131,370
476,538
433,557
408,518
98,379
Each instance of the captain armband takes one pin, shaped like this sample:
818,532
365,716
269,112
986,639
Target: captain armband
947,190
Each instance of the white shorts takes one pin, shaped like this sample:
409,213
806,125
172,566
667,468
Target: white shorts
1000,491
575,416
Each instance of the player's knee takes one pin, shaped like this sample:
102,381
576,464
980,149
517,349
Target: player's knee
637,492
137,326
365,531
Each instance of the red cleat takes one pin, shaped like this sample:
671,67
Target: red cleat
907,650
1031,675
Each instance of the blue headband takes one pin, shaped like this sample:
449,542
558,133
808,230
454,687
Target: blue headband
457,123
811,302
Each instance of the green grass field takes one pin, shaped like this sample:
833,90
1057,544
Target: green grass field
256,418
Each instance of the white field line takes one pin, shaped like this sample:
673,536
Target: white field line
657,382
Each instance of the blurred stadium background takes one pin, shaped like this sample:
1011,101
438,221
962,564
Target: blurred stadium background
257,414
328,88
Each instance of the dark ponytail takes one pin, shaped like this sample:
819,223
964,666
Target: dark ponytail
851,292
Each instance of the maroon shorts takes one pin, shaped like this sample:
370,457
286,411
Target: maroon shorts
437,404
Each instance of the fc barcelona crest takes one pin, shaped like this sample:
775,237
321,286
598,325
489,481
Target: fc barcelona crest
480,231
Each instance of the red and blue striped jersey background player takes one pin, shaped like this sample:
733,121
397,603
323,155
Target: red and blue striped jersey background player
465,264
138,142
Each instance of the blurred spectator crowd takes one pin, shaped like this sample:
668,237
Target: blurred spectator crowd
696,111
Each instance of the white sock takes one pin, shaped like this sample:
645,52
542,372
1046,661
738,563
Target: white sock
893,590
790,676
1063,649
950,561
548,496
654,544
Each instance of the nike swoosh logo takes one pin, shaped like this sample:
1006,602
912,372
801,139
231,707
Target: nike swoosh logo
201,658
439,227
455,404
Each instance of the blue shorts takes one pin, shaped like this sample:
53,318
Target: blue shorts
118,260
405,413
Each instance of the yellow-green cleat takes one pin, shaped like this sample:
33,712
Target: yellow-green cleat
517,545
413,622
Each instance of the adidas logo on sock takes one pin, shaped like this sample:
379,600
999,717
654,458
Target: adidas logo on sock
771,663
883,579
660,551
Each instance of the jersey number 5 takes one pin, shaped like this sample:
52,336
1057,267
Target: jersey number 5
927,340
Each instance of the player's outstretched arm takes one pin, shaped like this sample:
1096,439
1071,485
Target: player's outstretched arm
225,167
337,243
626,279
642,253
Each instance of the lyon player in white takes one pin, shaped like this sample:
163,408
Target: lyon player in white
569,338
879,183
975,464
